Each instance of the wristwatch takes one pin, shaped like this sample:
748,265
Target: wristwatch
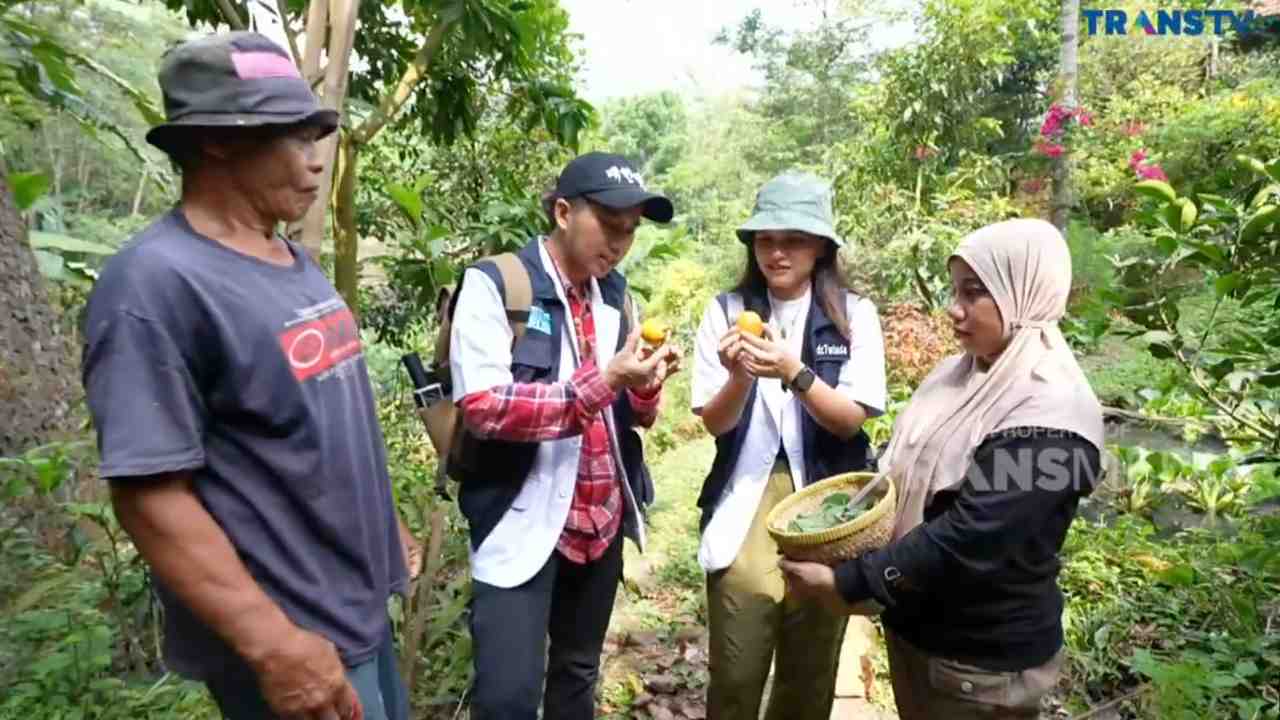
802,381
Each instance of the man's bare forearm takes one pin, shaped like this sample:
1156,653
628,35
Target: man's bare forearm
192,555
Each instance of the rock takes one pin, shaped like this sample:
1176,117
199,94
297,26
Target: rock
642,700
638,577
689,634
658,712
694,655
646,638
662,684
693,711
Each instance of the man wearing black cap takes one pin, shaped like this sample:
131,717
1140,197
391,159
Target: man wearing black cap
558,476
235,417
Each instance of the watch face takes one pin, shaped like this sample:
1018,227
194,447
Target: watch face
803,381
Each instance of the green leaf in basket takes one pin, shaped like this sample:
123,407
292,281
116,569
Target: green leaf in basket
836,500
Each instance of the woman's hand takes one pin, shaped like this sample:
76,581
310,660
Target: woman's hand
816,582
730,352
765,357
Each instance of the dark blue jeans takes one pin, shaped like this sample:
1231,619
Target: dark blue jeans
377,681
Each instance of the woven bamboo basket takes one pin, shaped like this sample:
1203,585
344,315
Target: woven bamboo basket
869,531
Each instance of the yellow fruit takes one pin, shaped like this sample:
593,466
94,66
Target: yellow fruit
1189,213
750,323
653,331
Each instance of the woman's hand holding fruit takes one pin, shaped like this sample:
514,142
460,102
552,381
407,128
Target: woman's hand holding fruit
764,357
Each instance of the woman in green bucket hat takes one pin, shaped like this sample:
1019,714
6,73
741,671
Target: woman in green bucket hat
786,408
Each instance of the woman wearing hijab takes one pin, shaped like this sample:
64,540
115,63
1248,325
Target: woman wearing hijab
787,410
992,455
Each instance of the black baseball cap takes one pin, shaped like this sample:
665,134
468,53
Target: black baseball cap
234,79
612,181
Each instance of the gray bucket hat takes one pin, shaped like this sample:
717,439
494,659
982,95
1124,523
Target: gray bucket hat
793,201
235,79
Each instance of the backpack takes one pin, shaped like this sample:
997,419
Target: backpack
433,392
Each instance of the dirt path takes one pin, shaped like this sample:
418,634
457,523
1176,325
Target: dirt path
655,662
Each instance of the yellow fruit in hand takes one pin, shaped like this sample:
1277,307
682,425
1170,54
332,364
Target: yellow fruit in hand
653,331
750,323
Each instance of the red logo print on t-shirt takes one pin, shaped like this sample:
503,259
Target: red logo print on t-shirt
317,345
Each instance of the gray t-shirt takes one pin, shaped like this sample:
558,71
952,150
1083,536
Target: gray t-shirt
251,376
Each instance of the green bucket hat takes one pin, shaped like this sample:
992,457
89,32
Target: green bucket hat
793,201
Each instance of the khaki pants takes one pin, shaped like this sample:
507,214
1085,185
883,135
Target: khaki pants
753,621
933,688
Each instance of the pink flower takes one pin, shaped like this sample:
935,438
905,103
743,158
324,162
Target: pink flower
1053,120
1056,119
1052,150
1133,128
1145,170
1152,172
924,152
1033,185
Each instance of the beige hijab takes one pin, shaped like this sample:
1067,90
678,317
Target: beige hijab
1036,381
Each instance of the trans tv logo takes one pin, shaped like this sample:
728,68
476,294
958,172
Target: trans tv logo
1167,22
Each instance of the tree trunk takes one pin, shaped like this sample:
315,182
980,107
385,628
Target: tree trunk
341,27
55,159
1061,207
346,251
142,185
346,258
38,375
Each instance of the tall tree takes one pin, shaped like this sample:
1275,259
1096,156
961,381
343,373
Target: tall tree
37,371
649,129
810,78
432,61
1068,75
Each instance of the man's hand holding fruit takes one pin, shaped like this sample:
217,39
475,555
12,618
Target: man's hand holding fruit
646,361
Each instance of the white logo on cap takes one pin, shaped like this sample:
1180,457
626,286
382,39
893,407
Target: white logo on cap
619,174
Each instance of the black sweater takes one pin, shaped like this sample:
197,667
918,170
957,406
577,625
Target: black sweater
977,581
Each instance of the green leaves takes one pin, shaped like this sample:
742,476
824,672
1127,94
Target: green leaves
57,241
409,198
1266,216
1178,576
1252,164
1156,189
835,510
28,187
1228,284
49,249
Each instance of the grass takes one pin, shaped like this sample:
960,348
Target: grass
1119,369
667,577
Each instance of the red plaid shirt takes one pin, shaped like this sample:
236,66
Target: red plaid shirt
531,412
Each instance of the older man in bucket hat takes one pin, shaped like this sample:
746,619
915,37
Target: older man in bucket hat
235,417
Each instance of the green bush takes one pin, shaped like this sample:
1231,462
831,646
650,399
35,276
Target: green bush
1186,616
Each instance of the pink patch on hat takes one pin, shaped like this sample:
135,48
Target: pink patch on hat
257,65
